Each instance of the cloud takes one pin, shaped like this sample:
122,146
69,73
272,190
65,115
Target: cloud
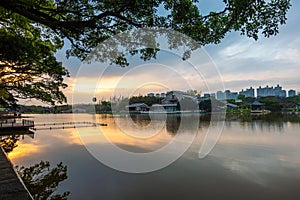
237,49
288,54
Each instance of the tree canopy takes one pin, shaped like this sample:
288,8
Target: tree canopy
31,32
28,66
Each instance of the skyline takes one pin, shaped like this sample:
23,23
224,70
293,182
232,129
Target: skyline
239,92
202,94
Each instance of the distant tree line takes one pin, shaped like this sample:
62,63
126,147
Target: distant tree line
278,104
271,103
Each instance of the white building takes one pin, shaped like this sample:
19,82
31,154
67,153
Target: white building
271,91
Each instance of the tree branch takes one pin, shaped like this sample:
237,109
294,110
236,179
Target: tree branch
212,14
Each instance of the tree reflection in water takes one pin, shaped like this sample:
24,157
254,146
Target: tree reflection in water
40,179
10,138
8,143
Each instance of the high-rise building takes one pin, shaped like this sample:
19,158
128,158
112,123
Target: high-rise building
221,96
271,91
248,92
266,91
278,92
226,95
232,96
292,93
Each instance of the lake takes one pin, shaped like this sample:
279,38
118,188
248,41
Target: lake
256,157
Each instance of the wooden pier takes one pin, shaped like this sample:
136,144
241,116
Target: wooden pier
15,125
11,186
27,125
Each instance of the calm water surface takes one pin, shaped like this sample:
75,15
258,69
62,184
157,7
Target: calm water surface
253,159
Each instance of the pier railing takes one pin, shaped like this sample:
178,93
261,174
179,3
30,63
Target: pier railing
9,123
28,123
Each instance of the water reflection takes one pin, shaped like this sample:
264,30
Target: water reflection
9,139
140,119
142,132
134,133
173,123
266,123
238,125
256,157
42,180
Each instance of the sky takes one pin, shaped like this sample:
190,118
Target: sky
236,63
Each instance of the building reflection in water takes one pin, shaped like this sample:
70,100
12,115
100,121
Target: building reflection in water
174,122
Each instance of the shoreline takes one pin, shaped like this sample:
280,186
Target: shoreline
11,185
